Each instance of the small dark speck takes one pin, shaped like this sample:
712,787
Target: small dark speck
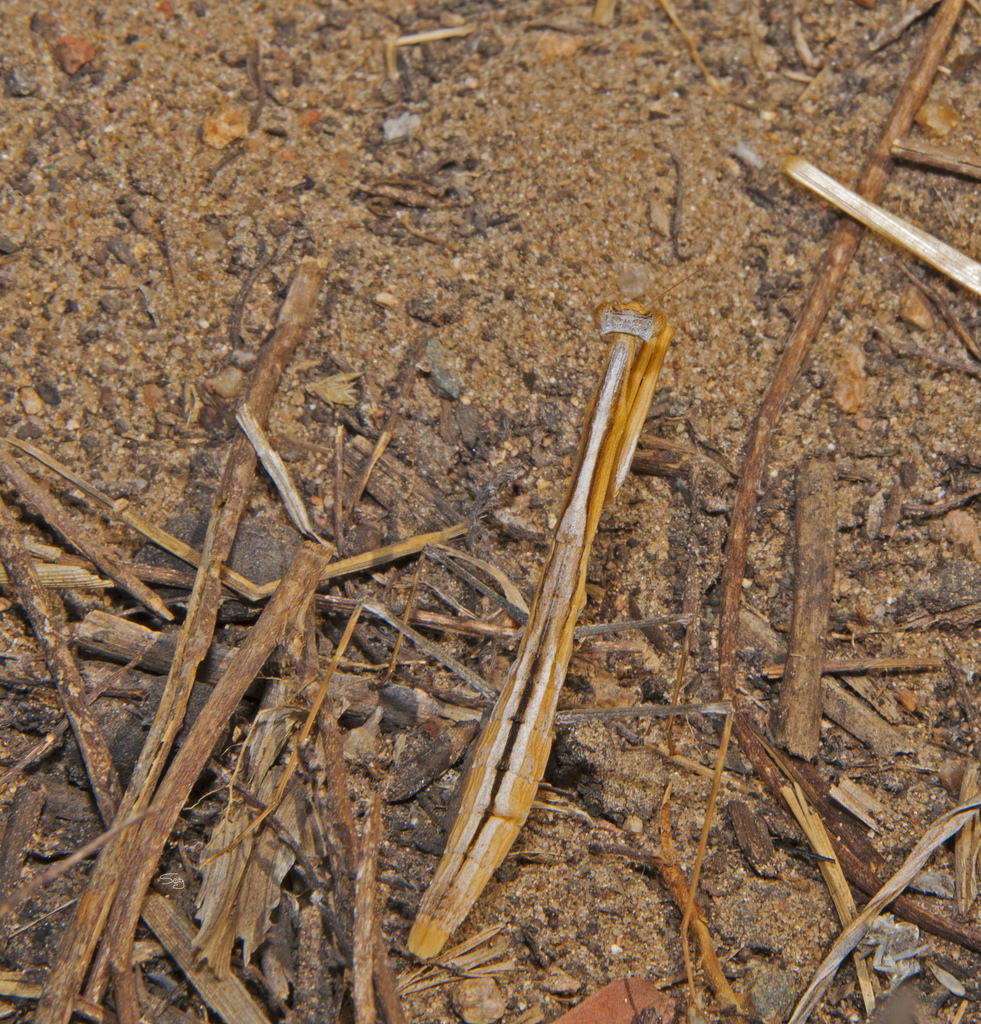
761,199
509,292
130,39
305,185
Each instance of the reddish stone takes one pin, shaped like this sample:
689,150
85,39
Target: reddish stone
622,1002
73,52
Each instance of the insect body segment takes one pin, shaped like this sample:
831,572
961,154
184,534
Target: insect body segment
512,751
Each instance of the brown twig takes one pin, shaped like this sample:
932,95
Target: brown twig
797,721
929,154
829,277
51,511
48,623
947,362
340,821
940,508
860,860
281,617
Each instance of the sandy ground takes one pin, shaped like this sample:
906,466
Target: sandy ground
542,165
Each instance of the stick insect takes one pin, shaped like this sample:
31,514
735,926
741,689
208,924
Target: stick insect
510,756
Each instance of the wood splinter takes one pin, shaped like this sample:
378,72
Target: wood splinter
797,722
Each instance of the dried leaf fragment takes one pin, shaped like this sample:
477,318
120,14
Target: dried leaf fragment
337,389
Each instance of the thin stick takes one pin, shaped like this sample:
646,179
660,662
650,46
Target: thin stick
700,856
830,275
692,48
53,513
945,311
282,615
365,475
834,878
929,154
48,623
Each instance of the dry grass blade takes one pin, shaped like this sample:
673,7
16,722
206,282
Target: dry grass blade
228,997
430,648
834,878
52,512
63,577
476,957
938,833
276,468
669,10
392,45
138,522
945,258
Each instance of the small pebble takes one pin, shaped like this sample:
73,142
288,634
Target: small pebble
745,152
774,992
560,983
951,776
853,389
479,1001
962,532
226,126
660,218
212,240
121,249
557,44
229,382
8,246
21,79
386,299
31,402
48,394
112,303
937,117
633,825
395,129
915,309
152,393
73,52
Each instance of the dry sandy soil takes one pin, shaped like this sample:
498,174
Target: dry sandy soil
541,165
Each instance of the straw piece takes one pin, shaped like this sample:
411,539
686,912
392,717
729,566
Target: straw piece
945,258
